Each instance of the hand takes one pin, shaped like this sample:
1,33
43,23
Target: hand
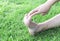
43,9
27,19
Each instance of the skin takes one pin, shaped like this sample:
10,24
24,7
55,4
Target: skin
34,27
43,8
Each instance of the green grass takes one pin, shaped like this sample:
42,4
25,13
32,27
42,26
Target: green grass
11,24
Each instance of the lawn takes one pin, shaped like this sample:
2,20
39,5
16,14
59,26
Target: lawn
12,27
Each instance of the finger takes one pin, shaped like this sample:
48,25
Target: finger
32,12
29,16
